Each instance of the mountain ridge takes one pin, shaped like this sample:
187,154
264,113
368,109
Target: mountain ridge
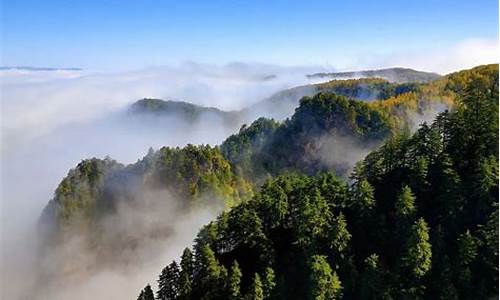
394,74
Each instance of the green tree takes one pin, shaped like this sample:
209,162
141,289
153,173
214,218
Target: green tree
373,281
168,283
418,257
235,281
256,291
324,282
405,203
363,196
212,274
269,283
339,236
186,273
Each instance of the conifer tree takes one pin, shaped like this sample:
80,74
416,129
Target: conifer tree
186,273
235,281
405,203
269,283
168,283
324,282
256,291
418,257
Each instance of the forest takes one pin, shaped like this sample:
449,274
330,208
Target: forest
412,215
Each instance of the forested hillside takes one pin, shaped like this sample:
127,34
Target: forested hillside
417,220
182,111
282,104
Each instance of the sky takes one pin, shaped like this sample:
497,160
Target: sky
131,34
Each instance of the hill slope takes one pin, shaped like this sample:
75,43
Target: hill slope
181,110
322,135
418,221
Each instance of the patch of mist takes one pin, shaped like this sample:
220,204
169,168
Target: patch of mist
340,152
123,251
426,114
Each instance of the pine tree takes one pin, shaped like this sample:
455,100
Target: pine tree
363,196
373,280
168,283
269,283
405,203
418,257
256,291
339,236
186,273
234,281
212,274
324,282
146,294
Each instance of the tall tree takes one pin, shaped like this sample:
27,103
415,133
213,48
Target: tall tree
235,281
168,283
363,196
269,283
418,257
186,273
324,282
405,203
256,291
373,281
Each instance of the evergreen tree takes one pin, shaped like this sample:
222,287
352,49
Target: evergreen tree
363,196
324,282
269,283
146,294
186,273
168,283
405,203
340,236
373,280
235,281
256,291
418,257
212,274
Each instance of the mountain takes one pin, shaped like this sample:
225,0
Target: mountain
418,220
398,75
181,110
281,105
293,219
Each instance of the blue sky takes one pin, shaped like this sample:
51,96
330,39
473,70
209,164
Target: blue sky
134,34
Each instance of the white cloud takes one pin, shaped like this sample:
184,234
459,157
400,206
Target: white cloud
463,55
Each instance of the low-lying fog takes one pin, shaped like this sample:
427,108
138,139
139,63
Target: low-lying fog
53,119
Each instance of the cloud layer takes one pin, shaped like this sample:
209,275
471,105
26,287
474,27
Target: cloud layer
463,55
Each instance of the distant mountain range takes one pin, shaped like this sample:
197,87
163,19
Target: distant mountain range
372,85
399,75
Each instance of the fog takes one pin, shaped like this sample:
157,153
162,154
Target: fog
145,233
50,120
